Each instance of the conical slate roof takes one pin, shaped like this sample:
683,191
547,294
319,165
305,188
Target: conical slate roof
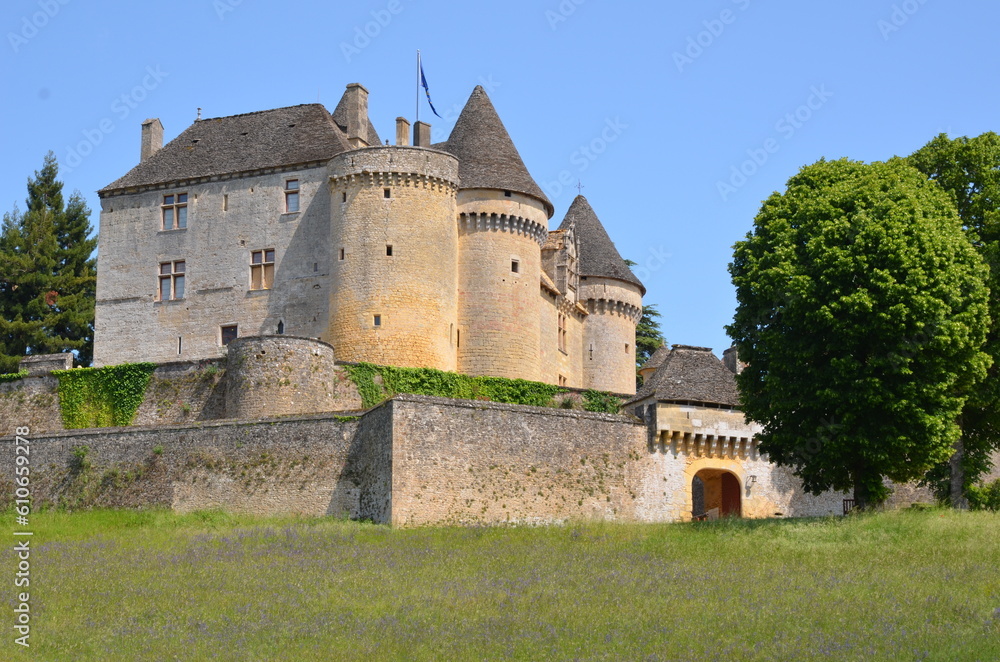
598,255
486,155
240,143
692,374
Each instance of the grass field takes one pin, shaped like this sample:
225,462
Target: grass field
115,585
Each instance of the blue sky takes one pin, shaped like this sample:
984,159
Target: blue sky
678,117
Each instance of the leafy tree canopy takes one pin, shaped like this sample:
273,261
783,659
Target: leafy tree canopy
47,274
862,313
969,170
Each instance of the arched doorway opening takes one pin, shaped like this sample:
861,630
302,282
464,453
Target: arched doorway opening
715,493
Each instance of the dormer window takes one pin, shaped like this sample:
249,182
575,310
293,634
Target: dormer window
291,196
174,211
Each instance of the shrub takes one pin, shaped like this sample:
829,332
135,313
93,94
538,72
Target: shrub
985,497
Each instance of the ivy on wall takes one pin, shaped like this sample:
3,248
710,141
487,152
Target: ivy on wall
102,397
428,381
13,376
601,401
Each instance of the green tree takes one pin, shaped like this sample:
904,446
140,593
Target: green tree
969,170
861,313
648,336
47,274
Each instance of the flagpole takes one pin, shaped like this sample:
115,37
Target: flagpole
418,85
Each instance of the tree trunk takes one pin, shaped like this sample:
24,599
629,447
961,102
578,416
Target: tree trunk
860,494
957,480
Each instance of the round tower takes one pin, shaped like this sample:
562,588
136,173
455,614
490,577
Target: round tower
502,224
612,296
395,248
615,308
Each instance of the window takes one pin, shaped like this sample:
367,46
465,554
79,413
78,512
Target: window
281,327
343,196
341,254
378,320
387,193
225,202
179,344
562,333
229,333
175,212
515,266
262,269
388,250
563,381
292,195
506,194
171,280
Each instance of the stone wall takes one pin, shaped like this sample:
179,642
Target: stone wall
316,465
414,460
226,220
281,375
457,461
31,402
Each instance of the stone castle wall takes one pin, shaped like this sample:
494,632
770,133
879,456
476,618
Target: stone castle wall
226,220
414,460
556,362
279,376
500,308
609,336
316,465
400,308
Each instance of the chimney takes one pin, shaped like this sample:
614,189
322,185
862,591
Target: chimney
732,361
152,138
421,134
402,132
357,115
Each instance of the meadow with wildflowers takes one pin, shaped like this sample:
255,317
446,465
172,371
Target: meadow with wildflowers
153,585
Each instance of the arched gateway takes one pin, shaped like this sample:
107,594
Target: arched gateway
691,408
715,493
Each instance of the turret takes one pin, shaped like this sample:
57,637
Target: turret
502,223
395,243
613,298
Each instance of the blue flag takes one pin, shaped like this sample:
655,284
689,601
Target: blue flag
423,81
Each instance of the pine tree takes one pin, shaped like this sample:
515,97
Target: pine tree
47,274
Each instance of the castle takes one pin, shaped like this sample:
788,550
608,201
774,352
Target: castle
301,222
254,257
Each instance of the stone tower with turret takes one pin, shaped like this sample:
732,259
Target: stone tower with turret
300,222
502,223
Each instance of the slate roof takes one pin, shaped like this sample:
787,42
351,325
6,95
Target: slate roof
657,359
486,155
340,117
598,255
692,374
240,143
